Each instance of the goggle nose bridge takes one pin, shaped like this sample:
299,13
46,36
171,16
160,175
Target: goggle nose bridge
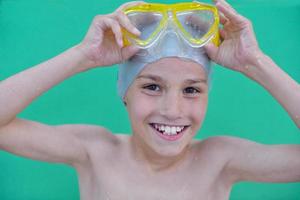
169,33
171,25
172,28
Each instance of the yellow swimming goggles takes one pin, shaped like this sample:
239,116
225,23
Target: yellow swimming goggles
196,23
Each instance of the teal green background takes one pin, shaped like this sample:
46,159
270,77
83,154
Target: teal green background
32,31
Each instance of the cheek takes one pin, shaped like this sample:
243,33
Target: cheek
197,110
141,108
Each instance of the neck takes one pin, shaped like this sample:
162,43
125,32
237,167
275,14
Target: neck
154,161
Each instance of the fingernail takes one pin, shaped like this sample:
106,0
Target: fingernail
120,43
135,48
136,31
209,45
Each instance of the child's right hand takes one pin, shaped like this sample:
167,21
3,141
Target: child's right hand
103,43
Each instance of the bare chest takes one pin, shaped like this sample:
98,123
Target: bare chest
120,180
118,175
172,188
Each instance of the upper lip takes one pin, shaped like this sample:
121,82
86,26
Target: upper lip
165,124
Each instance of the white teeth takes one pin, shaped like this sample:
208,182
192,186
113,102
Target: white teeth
168,130
173,130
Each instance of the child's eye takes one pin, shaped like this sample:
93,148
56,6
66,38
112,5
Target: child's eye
191,90
152,87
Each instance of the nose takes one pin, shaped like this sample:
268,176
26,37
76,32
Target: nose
171,106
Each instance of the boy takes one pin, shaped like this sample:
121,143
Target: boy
157,102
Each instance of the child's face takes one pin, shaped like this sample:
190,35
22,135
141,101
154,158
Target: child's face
168,95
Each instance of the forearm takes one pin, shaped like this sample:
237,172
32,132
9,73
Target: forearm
17,91
282,87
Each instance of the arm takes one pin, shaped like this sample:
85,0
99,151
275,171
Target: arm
33,139
250,161
239,51
25,137
62,144
282,87
18,91
66,143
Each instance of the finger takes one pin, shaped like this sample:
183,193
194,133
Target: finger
229,12
227,5
125,22
223,19
116,29
129,51
211,51
222,33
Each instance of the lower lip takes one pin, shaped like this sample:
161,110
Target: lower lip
170,137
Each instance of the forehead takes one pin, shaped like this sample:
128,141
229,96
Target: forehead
174,67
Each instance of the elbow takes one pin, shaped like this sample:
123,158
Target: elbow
5,122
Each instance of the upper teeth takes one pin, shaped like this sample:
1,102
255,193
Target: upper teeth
169,130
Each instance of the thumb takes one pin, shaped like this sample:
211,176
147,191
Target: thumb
129,51
211,51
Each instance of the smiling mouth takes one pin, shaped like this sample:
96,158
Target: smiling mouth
169,132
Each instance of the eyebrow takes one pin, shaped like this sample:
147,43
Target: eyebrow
159,79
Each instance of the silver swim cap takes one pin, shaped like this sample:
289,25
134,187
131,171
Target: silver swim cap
169,45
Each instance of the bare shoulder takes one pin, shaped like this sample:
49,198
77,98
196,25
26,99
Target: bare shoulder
221,151
91,133
225,146
226,142
93,138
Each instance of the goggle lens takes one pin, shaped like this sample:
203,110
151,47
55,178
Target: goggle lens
196,23
146,22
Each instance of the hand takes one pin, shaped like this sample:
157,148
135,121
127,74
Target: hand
239,48
103,43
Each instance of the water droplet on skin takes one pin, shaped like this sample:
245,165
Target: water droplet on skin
107,196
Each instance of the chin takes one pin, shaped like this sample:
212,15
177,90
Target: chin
171,151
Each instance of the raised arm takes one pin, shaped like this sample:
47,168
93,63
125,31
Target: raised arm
282,87
102,46
239,51
250,161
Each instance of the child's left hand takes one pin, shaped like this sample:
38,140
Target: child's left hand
239,48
